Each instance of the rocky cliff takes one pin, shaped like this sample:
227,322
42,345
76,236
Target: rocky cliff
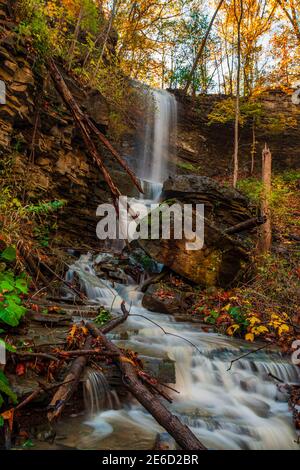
208,149
40,142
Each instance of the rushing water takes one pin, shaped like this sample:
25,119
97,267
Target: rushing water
98,395
240,408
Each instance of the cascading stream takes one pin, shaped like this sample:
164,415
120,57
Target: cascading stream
238,409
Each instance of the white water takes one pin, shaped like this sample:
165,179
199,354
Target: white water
159,142
97,393
238,409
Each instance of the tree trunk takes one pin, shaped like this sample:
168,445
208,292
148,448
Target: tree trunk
181,433
239,17
80,119
246,225
292,17
75,39
201,49
266,229
111,20
65,392
253,148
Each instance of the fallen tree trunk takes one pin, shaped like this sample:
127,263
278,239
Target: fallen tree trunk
80,119
115,155
86,125
65,392
246,225
181,433
115,321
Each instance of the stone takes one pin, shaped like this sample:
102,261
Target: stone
222,259
170,304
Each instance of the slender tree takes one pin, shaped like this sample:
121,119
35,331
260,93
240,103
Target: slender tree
238,11
201,49
266,230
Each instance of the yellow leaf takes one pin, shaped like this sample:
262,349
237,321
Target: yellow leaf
232,329
253,320
283,329
9,416
275,317
249,337
227,307
126,359
73,331
84,330
259,329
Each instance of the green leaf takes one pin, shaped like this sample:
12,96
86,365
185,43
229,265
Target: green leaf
1,417
27,444
5,388
7,346
21,284
13,298
3,377
9,317
9,254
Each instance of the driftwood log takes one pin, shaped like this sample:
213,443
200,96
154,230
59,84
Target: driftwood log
181,433
80,119
65,392
246,225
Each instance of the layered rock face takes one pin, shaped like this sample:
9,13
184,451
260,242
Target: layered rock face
40,140
208,149
222,259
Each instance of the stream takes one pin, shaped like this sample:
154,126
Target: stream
240,408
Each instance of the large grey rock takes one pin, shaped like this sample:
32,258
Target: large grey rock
222,259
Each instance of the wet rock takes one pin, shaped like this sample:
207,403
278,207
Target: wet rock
162,369
171,303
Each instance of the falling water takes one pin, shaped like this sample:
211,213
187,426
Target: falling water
240,408
97,393
158,143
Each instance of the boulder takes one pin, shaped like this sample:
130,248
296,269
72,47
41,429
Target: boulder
223,258
170,303
224,206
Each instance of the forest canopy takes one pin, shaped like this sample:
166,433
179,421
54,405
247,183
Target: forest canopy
157,42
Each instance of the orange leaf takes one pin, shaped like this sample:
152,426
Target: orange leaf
9,416
20,369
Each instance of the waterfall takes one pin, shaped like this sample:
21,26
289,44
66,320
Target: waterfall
159,142
97,393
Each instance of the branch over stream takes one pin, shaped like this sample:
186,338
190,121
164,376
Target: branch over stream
181,433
